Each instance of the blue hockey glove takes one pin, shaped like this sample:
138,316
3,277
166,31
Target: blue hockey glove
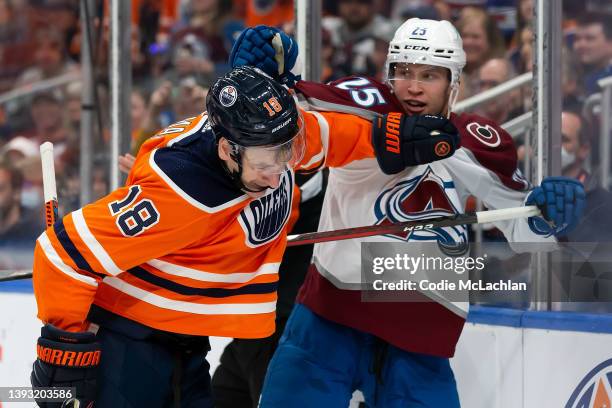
402,141
561,200
68,360
268,49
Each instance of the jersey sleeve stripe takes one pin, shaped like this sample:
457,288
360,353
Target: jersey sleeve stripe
252,289
235,277
69,247
56,261
323,131
92,243
181,306
186,196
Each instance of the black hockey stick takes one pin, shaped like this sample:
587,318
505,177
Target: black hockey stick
479,217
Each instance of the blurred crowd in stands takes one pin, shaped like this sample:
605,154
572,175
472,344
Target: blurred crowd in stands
178,47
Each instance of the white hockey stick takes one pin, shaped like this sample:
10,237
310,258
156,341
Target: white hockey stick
479,217
49,187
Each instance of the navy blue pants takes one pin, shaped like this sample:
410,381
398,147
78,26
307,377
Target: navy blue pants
319,363
152,372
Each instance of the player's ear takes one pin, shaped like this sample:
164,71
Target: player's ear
224,149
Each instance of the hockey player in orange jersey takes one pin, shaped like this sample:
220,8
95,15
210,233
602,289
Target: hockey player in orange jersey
131,286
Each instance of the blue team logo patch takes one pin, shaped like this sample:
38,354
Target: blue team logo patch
419,198
263,219
595,389
228,96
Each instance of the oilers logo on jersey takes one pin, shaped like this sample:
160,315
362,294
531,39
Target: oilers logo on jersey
263,219
418,198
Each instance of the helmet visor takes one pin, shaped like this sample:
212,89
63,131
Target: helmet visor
271,160
423,74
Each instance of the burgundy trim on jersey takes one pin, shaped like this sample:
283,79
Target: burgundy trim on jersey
491,146
419,327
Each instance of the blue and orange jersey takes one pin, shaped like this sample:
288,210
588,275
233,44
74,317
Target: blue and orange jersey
179,248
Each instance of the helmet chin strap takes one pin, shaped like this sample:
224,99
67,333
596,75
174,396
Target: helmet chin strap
236,176
452,99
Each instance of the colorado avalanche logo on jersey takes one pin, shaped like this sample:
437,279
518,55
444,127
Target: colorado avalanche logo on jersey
486,134
263,219
418,198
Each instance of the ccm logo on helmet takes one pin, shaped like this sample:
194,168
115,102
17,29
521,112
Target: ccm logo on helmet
417,48
392,140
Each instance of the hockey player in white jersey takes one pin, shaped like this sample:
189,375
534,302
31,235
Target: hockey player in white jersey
396,353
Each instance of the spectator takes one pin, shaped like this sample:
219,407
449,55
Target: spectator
270,12
524,14
167,104
354,35
521,55
48,121
19,226
492,73
14,46
201,44
50,58
19,148
482,41
585,281
596,224
593,48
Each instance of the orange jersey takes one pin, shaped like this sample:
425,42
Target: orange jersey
270,12
180,248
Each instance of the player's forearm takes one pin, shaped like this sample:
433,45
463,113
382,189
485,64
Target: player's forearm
336,139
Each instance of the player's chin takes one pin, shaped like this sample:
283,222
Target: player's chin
257,194
254,190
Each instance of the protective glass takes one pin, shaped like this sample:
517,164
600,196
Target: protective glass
272,160
423,74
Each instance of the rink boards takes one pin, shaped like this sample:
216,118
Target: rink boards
505,358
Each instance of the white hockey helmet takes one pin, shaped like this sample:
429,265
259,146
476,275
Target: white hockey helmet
428,42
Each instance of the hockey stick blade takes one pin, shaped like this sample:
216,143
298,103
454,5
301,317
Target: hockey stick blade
479,217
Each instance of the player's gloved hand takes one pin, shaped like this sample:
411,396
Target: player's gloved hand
67,359
270,50
561,200
402,141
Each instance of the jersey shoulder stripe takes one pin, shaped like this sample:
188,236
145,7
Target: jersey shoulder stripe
192,168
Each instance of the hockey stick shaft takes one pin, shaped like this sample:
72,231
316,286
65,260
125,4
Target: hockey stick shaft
479,217
49,186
